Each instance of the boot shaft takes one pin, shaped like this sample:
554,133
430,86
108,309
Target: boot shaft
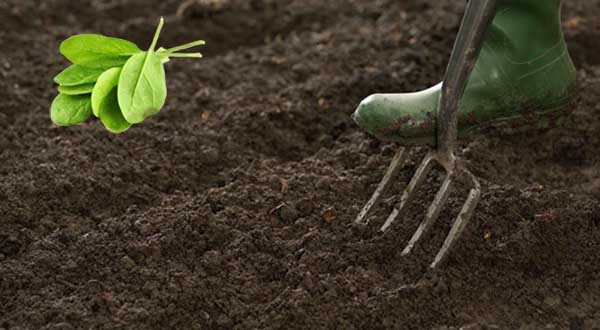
530,27
524,67
524,63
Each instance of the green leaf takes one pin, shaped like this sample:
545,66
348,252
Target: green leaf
126,84
110,114
76,90
98,51
142,87
105,84
77,75
69,110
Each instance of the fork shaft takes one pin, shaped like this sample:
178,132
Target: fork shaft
477,18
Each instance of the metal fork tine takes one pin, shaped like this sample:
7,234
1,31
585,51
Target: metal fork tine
390,174
459,223
411,190
432,214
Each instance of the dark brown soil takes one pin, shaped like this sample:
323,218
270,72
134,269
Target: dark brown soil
211,214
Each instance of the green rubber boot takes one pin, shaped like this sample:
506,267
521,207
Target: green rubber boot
524,68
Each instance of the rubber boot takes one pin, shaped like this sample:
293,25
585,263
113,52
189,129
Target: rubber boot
524,68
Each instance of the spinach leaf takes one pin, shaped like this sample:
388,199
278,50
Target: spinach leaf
113,79
76,90
105,84
98,51
142,87
77,75
110,114
70,109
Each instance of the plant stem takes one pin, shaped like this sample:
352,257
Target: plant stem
156,35
193,55
186,46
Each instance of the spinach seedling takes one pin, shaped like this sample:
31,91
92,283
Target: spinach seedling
113,79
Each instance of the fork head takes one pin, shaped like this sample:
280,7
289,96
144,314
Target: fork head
455,170
478,16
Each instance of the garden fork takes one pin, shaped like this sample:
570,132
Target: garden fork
478,16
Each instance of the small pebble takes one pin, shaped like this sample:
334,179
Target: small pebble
330,215
325,140
127,262
289,213
223,321
62,326
210,155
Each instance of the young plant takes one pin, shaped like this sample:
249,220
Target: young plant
112,79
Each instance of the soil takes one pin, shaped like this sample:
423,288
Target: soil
233,208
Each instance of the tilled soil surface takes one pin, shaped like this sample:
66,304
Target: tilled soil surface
234,208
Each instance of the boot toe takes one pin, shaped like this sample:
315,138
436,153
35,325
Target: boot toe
366,115
402,118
